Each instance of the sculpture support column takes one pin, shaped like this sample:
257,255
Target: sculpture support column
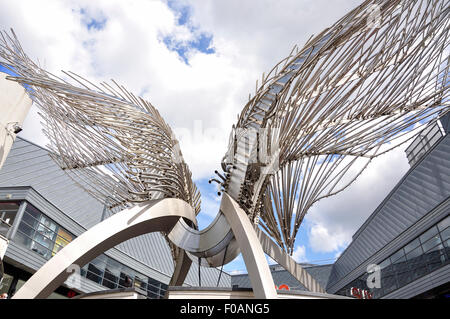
158,215
277,254
251,249
182,265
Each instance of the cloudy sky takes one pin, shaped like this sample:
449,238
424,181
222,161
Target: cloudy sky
197,61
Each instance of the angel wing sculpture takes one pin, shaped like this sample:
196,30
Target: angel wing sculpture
355,91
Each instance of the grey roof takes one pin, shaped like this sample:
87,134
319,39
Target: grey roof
30,165
424,187
280,276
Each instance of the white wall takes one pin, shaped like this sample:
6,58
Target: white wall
14,107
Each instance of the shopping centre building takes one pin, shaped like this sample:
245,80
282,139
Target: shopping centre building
407,236
42,209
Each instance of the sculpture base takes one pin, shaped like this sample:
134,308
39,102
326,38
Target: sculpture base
122,293
241,293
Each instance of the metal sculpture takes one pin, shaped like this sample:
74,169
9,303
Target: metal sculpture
352,93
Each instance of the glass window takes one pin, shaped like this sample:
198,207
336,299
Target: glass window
126,277
412,245
140,282
83,270
399,256
39,233
112,274
428,234
447,243
63,237
444,223
96,269
385,263
432,242
445,234
26,230
47,228
44,237
154,288
22,239
419,269
41,246
414,253
33,212
435,259
29,220
8,211
439,247
404,277
388,283
94,273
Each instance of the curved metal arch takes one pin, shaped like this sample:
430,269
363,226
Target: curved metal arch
157,215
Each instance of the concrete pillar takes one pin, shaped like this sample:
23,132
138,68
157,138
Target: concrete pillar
12,232
251,249
14,107
3,246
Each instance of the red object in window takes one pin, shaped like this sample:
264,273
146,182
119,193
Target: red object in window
71,294
285,287
360,293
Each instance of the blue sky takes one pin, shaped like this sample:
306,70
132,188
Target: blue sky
202,41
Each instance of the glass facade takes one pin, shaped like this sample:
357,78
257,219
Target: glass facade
41,234
45,237
113,274
421,256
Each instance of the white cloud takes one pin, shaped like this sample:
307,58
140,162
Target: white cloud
321,240
248,38
338,254
331,222
299,254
